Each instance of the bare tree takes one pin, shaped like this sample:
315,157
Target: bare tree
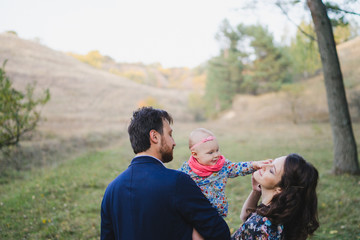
345,151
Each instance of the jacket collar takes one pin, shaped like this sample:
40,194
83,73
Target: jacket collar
146,159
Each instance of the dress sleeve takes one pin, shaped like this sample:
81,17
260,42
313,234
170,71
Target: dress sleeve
239,168
197,210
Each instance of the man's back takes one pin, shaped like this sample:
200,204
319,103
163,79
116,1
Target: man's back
149,201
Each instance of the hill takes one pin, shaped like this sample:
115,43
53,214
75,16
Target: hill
150,74
301,102
83,99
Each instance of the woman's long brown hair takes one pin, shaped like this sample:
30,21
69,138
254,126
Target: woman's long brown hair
296,205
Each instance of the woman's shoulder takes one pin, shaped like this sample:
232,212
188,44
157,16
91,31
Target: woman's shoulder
258,219
259,227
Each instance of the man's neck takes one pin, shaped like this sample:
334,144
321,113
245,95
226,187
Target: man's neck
145,154
150,153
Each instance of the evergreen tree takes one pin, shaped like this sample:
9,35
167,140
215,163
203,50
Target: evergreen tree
224,72
269,67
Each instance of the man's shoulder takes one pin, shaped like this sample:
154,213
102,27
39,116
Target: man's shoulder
178,174
161,169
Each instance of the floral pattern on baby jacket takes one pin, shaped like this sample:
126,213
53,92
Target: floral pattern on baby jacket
213,186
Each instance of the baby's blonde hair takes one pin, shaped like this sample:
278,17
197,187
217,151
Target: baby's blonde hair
197,135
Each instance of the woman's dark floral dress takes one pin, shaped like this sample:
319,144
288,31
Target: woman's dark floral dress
258,227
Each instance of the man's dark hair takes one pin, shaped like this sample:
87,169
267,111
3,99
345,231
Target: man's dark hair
142,122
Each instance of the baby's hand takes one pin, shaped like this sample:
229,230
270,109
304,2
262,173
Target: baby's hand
259,164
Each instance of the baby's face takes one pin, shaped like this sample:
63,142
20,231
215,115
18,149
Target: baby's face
207,153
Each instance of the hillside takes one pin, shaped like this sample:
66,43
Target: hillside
304,102
83,99
148,74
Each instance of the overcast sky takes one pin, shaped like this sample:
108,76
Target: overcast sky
172,32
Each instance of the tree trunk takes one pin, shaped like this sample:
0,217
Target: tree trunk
345,151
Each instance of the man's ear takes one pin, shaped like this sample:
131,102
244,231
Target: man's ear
154,136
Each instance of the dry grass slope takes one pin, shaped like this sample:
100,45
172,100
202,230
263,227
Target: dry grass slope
83,99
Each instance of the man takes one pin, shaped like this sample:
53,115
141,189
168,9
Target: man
150,201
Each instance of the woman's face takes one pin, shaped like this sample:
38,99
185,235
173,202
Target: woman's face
270,174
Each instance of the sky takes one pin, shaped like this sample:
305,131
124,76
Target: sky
173,33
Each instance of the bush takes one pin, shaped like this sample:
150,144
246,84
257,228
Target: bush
19,112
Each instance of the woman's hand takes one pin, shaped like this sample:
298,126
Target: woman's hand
255,185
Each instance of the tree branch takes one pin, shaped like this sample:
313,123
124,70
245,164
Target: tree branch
342,10
298,27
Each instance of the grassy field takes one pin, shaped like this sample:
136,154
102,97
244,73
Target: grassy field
63,202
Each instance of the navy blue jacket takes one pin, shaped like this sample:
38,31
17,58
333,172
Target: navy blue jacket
150,201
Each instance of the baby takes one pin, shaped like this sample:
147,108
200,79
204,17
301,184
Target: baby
210,170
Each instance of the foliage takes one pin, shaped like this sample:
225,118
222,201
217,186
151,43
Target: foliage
151,74
149,101
196,106
224,72
135,75
18,110
269,68
335,13
263,68
342,33
304,52
93,58
343,27
219,91
199,81
12,32
199,77
176,77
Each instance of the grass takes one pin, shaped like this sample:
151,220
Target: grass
63,202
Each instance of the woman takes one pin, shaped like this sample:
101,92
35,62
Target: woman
288,208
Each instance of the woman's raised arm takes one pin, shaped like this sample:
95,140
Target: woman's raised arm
252,200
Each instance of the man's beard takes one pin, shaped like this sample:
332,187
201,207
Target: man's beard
166,153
